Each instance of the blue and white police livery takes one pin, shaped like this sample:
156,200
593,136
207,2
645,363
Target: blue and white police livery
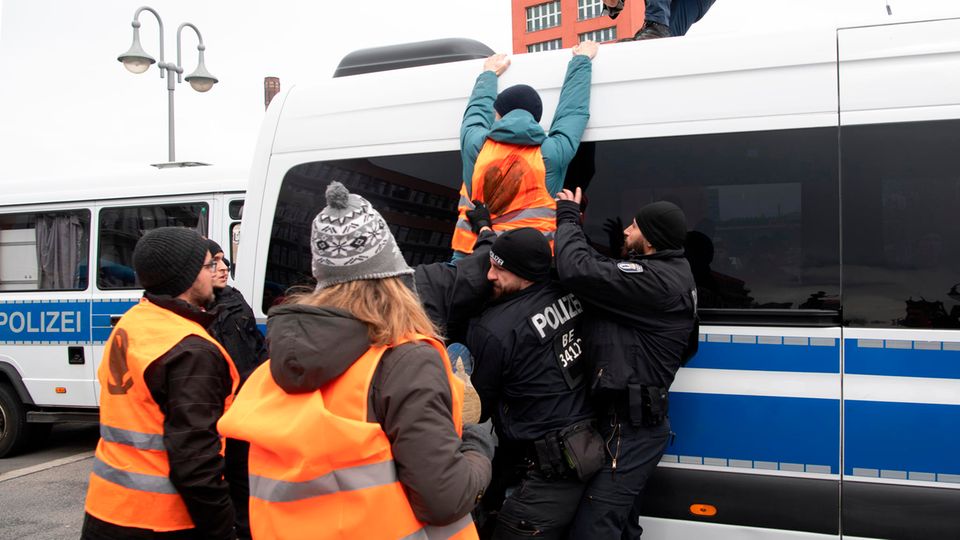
66,275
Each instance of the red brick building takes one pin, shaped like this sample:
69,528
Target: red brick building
540,25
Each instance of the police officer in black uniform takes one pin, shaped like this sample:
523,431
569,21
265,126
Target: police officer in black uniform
528,373
639,326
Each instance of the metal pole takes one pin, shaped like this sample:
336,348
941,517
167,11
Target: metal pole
171,85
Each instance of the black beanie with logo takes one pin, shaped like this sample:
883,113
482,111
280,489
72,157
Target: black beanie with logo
519,96
525,252
663,225
167,260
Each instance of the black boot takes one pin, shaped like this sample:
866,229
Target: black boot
652,30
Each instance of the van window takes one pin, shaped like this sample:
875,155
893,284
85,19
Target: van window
417,194
122,227
762,209
235,209
44,251
901,230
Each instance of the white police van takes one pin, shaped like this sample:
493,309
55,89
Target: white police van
820,175
66,246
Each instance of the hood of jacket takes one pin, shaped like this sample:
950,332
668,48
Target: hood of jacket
518,127
310,346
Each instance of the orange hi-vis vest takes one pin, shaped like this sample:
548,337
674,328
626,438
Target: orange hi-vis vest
511,180
318,469
130,484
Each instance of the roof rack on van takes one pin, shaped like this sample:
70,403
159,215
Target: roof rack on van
420,53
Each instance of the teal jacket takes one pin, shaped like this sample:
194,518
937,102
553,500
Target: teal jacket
519,127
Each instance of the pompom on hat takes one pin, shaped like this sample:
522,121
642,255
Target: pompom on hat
350,240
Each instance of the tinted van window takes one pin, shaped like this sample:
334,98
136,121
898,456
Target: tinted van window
762,208
901,230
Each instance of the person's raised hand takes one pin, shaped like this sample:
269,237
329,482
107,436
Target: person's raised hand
497,63
586,48
567,195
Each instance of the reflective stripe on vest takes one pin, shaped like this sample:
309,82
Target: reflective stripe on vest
349,479
521,172
319,469
132,480
136,439
130,484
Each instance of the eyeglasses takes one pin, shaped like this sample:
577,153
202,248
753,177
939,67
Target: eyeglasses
211,266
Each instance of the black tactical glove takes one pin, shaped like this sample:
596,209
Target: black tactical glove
479,438
479,217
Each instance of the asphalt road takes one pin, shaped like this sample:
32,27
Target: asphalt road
64,440
42,492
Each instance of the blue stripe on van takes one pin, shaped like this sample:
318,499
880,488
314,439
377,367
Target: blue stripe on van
902,440
764,432
103,310
894,358
807,355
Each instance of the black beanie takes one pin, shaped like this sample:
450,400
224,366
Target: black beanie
663,225
525,252
519,96
167,260
213,247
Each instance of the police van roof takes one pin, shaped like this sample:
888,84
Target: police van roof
123,184
421,53
419,109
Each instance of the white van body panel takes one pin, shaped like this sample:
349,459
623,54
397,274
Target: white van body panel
42,365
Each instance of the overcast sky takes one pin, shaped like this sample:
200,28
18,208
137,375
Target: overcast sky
68,105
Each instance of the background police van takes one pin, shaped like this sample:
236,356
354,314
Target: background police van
820,176
66,248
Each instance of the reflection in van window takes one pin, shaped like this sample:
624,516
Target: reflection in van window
417,195
44,251
901,238
121,228
762,209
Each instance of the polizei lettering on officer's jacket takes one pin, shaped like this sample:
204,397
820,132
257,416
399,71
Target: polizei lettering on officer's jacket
556,314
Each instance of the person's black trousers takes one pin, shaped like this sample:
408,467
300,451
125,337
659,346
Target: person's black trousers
611,503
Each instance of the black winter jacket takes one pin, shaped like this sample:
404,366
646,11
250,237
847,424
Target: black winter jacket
640,312
527,363
235,327
453,292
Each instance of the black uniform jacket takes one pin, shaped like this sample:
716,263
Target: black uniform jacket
639,312
453,292
527,362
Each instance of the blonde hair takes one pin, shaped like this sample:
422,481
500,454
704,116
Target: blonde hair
387,306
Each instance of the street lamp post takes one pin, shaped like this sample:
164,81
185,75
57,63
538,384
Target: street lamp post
136,60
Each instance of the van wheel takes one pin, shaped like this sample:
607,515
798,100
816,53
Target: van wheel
13,422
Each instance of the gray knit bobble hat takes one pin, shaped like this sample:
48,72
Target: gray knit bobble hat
167,260
350,241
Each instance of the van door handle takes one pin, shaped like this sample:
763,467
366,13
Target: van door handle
75,356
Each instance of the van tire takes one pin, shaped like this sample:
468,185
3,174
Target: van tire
13,422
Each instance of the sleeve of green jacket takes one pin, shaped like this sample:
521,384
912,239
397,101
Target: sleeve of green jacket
573,111
477,120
